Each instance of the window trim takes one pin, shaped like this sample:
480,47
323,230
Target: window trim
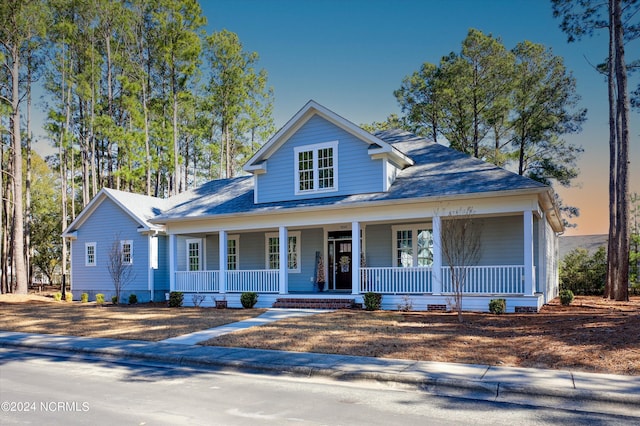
235,238
315,148
130,244
95,254
290,234
414,243
186,245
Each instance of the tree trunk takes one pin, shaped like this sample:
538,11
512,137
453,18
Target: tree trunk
613,239
620,289
18,208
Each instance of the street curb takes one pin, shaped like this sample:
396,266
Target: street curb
570,399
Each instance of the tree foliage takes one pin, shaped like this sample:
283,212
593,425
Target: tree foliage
132,100
583,273
509,107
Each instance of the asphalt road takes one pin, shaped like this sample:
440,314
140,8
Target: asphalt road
68,389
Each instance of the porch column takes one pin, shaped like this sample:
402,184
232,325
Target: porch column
222,256
528,253
436,267
172,261
283,276
355,257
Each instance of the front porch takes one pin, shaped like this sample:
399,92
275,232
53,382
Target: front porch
402,260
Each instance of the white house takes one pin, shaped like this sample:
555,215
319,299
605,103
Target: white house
367,208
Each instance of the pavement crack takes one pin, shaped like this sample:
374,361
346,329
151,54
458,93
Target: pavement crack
573,380
497,391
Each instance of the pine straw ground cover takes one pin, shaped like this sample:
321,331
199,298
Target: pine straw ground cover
593,334
148,321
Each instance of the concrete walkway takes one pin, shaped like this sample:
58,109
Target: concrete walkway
269,316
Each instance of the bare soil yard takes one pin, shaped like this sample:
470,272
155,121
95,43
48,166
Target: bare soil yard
592,334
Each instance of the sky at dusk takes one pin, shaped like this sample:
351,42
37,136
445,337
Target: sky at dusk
350,55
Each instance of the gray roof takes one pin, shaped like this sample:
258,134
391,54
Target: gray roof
439,171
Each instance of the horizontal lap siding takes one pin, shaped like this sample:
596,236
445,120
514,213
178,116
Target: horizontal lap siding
161,275
502,241
312,241
356,171
108,223
378,245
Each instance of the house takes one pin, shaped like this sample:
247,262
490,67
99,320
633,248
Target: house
364,211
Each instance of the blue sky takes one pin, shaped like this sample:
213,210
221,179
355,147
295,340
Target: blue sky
350,55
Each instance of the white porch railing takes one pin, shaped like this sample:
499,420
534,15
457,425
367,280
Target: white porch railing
414,280
197,281
503,279
259,280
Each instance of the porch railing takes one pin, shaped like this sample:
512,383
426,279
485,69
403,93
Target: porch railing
259,280
197,281
414,280
502,279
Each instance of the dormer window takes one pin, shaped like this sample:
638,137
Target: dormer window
316,168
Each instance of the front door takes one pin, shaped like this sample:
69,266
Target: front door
342,264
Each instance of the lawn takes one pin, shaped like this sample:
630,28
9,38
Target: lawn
592,334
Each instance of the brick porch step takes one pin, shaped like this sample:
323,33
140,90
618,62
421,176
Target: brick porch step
313,303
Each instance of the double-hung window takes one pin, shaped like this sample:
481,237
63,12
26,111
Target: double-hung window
126,251
412,245
90,254
316,168
272,251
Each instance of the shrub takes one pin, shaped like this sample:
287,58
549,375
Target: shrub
582,273
249,299
497,306
57,296
114,300
372,301
133,299
84,298
566,297
68,296
100,299
175,299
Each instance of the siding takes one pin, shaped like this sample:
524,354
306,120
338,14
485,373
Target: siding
108,223
378,248
502,241
356,172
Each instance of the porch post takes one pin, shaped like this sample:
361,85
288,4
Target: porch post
436,267
222,267
283,276
172,262
355,257
528,253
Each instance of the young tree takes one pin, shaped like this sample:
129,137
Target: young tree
460,245
621,18
120,265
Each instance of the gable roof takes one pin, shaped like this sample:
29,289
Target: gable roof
140,208
257,163
438,172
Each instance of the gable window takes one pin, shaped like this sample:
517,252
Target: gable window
194,251
126,251
272,250
90,254
233,251
316,168
413,245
